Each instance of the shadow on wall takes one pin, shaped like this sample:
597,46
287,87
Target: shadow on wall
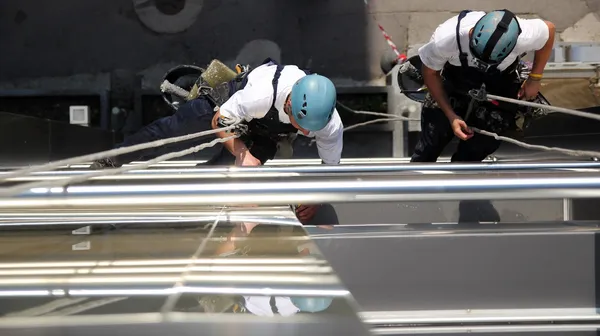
66,37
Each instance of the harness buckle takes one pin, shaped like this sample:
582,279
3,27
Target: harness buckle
241,129
478,94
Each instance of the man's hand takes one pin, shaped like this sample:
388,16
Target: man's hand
246,159
460,128
306,212
530,89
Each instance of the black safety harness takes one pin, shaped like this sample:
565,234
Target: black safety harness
269,126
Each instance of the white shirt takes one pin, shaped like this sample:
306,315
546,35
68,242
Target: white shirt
443,47
261,306
254,101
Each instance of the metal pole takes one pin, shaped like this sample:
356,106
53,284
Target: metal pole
567,209
331,189
284,171
354,161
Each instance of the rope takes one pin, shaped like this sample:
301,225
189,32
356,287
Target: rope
545,107
399,56
570,152
6,192
375,121
108,153
172,299
386,117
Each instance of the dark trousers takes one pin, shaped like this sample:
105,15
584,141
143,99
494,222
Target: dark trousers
191,117
436,131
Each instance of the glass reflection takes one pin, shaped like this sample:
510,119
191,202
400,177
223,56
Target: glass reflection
252,240
265,268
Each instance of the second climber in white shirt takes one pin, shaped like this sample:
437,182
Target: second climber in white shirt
466,51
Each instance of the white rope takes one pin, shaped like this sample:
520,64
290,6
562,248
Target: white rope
85,306
571,152
390,119
172,299
108,153
378,114
6,192
545,107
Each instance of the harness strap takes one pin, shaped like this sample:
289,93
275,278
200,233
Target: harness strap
276,83
462,56
273,305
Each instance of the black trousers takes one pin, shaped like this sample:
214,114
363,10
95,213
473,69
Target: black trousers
436,131
191,117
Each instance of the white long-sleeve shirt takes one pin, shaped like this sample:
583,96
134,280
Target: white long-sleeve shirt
254,101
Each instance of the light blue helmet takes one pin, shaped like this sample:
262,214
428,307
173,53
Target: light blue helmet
312,304
494,36
313,102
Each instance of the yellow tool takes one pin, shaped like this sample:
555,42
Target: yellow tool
217,73
238,69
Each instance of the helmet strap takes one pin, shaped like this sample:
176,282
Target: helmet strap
287,106
501,28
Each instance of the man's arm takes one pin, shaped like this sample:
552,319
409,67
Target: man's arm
434,59
543,55
330,140
235,146
433,81
245,104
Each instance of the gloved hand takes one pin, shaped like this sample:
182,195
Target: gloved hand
104,163
306,212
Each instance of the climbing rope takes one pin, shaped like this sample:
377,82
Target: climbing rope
58,184
545,107
571,152
109,153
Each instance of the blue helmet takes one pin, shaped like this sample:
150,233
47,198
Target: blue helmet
312,304
313,102
495,36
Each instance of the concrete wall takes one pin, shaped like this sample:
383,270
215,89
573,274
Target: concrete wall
337,37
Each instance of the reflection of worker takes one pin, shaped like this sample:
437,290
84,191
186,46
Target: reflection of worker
284,305
466,51
269,305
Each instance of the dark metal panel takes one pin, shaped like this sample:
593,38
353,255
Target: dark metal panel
23,139
466,272
28,140
68,140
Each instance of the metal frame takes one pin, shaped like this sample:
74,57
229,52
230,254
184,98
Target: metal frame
482,321
311,189
179,173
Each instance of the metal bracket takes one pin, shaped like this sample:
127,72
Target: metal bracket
478,95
